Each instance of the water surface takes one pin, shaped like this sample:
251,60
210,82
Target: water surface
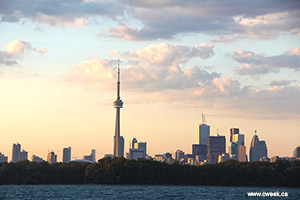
107,192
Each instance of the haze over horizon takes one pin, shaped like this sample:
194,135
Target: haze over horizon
236,62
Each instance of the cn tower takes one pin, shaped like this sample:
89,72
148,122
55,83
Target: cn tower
118,104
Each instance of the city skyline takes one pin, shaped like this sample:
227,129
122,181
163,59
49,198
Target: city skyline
257,150
237,62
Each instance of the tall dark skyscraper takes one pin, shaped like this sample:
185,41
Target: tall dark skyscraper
118,104
215,147
258,149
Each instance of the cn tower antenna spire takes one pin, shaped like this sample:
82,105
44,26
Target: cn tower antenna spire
118,83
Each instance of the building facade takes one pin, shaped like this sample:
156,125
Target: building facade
258,149
239,139
233,149
52,157
66,155
37,159
296,152
233,131
179,154
91,157
215,147
17,154
137,149
242,156
200,150
3,158
202,132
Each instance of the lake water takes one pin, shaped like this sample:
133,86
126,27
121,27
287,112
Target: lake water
93,192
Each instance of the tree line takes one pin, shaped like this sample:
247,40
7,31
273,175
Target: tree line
123,171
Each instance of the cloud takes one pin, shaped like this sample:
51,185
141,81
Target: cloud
96,72
293,51
227,19
165,54
162,73
156,67
7,59
19,47
190,86
14,51
61,13
281,83
113,53
255,64
269,25
284,100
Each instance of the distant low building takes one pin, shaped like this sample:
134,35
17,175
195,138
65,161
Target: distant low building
223,158
137,149
159,158
37,159
265,158
135,154
275,158
179,154
296,152
167,158
82,161
3,158
91,157
108,156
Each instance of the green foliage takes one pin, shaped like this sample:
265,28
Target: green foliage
122,171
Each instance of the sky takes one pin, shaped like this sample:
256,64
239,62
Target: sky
238,62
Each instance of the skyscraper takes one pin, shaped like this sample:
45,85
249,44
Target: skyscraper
200,150
258,149
52,157
202,132
118,104
215,147
233,131
17,154
239,139
16,149
233,149
132,142
137,149
66,155
242,157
